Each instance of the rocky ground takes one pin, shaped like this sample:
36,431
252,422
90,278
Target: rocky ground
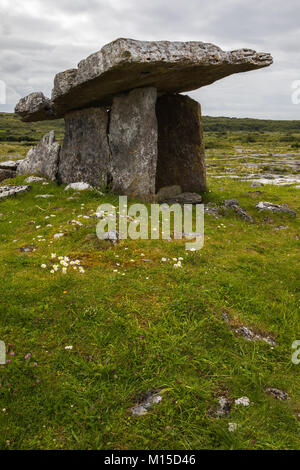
141,344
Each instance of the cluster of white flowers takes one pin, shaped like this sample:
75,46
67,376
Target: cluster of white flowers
177,262
64,263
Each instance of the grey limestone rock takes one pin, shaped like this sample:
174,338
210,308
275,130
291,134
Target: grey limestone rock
7,191
84,154
42,159
125,64
133,143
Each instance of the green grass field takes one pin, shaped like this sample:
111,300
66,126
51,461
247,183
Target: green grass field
137,326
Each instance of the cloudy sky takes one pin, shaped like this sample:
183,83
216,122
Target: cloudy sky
39,38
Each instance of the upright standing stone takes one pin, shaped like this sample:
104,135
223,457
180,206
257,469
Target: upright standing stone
42,159
85,152
133,142
181,154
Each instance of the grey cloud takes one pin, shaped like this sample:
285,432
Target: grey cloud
42,37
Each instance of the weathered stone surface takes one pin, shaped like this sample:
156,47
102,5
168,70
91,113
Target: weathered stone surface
248,334
224,407
27,249
181,154
264,205
277,393
6,174
80,186
42,159
34,179
142,408
167,192
185,198
84,154
9,165
133,143
7,191
125,64
231,202
35,107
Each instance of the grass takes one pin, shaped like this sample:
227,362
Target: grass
155,328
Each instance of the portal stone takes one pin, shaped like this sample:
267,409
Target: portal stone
43,159
181,153
133,143
85,152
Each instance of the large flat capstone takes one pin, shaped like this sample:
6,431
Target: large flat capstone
126,64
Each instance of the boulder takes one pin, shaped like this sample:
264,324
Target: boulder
35,107
181,153
133,143
125,64
85,151
42,159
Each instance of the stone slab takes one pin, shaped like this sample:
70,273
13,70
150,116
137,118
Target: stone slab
85,151
125,64
181,153
42,159
7,191
133,143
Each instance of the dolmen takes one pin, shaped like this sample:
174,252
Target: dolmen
127,125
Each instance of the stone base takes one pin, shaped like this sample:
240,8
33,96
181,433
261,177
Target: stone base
137,147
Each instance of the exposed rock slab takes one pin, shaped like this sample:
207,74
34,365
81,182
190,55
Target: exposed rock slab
9,165
277,393
84,154
181,154
133,143
264,205
34,179
42,159
80,186
7,191
125,64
